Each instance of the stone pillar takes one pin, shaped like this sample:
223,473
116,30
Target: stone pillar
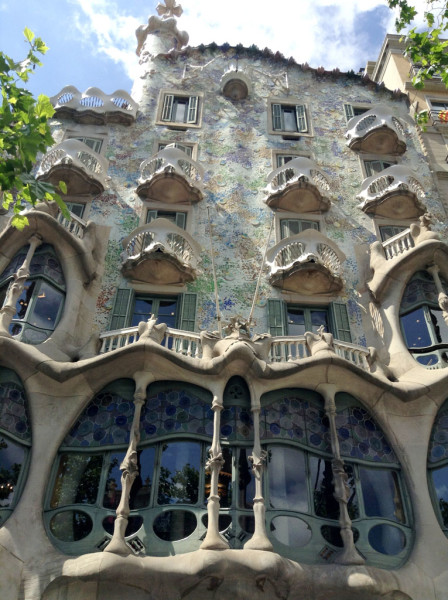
213,540
259,541
16,287
443,298
129,471
349,554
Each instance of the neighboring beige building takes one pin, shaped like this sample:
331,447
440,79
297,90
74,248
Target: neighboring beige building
395,70
285,437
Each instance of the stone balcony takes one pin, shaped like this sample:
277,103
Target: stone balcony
94,107
376,131
298,186
172,177
395,193
160,253
307,263
82,169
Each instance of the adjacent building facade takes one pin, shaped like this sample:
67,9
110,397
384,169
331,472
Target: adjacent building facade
225,374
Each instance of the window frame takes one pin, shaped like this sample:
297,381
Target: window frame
369,158
280,216
177,143
89,134
296,108
350,109
168,98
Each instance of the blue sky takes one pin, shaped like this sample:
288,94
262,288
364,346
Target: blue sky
92,42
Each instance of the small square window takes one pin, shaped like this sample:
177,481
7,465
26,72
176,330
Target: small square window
93,143
187,148
178,218
180,109
352,110
288,119
76,208
372,167
289,227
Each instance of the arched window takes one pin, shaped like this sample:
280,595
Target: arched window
15,441
302,512
39,307
438,466
424,329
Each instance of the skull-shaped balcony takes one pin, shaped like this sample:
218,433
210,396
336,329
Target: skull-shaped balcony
307,263
376,131
395,193
171,176
160,253
298,186
82,169
94,107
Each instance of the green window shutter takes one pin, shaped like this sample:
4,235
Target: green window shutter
340,322
276,317
187,316
277,117
180,220
151,215
167,111
192,116
349,112
302,124
121,309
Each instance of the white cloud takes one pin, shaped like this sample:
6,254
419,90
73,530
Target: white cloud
332,33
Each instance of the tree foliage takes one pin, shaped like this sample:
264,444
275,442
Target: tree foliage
24,133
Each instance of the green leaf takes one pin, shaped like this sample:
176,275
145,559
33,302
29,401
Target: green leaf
19,222
63,187
28,34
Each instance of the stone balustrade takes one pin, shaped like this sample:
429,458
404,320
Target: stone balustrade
188,343
378,131
171,176
298,185
73,155
74,225
398,244
94,106
394,193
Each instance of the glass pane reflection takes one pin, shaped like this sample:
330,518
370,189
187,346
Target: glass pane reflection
440,480
325,504
173,525
287,479
141,488
290,531
179,473
387,539
11,460
381,494
71,525
77,479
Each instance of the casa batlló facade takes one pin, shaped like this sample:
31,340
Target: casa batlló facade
225,375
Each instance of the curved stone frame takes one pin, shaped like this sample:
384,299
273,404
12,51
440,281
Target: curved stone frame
9,376
318,545
438,463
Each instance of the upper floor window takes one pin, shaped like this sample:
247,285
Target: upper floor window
372,167
93,143
15,441
187,148
290,227
388,231
438,466
352,110
424,328
181,109
39,307
288,119
178,218
76,208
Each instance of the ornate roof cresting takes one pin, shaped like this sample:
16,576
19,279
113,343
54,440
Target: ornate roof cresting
169,9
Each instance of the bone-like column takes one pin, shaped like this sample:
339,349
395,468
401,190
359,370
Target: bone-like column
443,298
213,540
16,287
259,541
349,554
129,471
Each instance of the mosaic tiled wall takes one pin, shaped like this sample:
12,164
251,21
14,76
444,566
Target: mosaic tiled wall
237,155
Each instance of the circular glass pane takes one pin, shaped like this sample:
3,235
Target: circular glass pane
387,539
290,531
173,525
134,524
71,525
224,521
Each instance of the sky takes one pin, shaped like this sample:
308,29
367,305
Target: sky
92,42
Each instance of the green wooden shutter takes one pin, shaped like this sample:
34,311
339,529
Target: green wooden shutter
187,314
121,309
277,117
167,111
151,215
180,220
340,322
192,116
276,317
349,112
302,124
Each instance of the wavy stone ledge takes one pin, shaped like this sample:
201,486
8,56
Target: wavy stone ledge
206,574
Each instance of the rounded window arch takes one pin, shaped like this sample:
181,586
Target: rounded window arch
302,512
39,307
424,329
438,466
15,441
